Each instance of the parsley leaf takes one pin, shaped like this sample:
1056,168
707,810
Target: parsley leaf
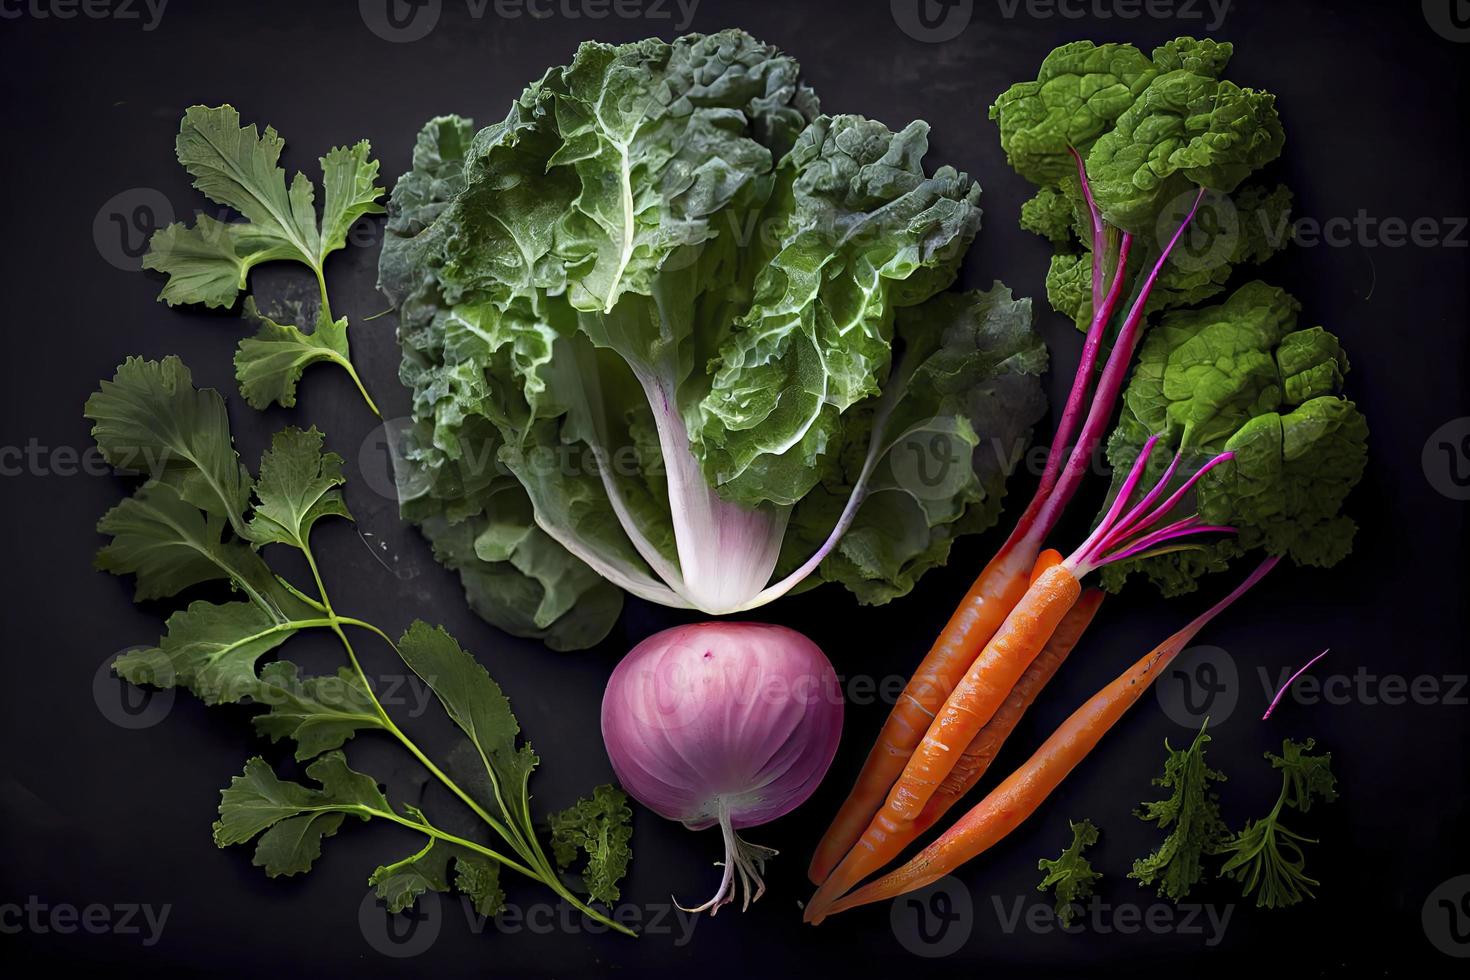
477,705
1265,856
599,826
400,884
210,649
298,486
1193,811
319,713
150,416
269,365
1071,873
238,167
292,819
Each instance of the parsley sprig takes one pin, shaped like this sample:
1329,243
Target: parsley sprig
1266,856
1071,874
201,517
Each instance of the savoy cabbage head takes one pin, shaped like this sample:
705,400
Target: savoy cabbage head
672,331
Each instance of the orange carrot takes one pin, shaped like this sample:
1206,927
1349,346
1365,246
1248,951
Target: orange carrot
995,592
1001,584
1019,796
1045,560
972,704
982,750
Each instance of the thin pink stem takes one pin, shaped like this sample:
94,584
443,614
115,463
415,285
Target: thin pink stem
1128,525
1290,681
1108,388
1178,495
1135,473
1099,232
1157,538
1086,366
1135,519
1199,621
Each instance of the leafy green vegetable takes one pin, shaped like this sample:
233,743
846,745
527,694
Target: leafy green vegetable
1192,809
654,321
202,518
269,365
210,262
1150,129
1265,856
1071,874
317,713
400,884
292,819
1240,377
599,827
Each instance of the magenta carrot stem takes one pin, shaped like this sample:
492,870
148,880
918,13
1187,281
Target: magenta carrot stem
1099,233
1290,681
1108,388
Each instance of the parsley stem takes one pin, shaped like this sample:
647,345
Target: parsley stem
326,314
512,836
448,838
525,844
321,282
398,733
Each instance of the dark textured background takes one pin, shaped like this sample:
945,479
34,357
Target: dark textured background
1373,103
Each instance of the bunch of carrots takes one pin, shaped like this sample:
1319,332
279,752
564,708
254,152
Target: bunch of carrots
1012,631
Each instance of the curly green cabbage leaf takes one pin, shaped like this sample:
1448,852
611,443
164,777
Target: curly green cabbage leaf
1151,130
672,332
1241,377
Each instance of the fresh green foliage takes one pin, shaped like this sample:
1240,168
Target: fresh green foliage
317,713
1266,857
1071,874
653,322
200,518
1150,130
599,828
1241,376
269,365
1192,810
400,884
209,262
